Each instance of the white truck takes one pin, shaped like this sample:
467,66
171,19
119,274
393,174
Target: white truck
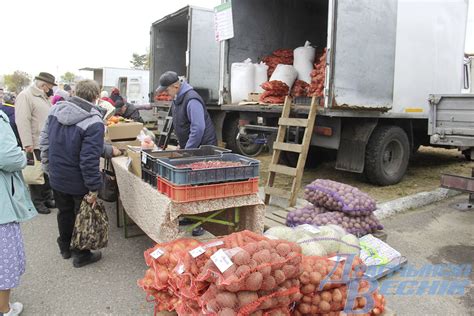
384,60
132,83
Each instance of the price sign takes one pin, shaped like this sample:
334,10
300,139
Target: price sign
157,253
221,260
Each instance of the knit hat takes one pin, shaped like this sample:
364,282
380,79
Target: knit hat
62,93
56,99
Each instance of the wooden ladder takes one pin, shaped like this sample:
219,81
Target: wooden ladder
280,145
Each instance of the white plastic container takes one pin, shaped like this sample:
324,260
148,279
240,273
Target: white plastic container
261,76
242,80
303,61
285,73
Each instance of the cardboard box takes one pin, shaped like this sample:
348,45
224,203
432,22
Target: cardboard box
124,144
123,131
135,158
254,97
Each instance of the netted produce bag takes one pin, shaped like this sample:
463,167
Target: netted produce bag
280,56
163,258
164,298
243,303
320,297
316,88
356,225
299,89
275,92
333,301
264,268
304,215
193,262
336,196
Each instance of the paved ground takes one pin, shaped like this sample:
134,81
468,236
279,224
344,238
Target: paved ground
51,286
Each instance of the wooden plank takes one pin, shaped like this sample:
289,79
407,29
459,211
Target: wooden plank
277,192
293,122
277,219
290,171
296,148
270,223
280,213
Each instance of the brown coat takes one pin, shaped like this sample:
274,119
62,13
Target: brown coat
31,111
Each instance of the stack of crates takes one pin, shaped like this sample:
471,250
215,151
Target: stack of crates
149,159
187,185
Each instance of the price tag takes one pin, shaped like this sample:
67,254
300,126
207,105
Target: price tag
196,252
180,269
337,259
221,260
214,244
144,158
157,253
311,228
129,162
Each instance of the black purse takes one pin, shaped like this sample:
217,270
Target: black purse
109,189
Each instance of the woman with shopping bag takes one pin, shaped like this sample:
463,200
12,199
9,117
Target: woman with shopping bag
16,207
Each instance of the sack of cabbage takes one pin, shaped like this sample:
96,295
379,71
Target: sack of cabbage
317,241
335,196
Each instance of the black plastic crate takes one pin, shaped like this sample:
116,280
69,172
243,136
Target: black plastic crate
149,157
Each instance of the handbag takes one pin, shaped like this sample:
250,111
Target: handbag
33,175
91,228
109,189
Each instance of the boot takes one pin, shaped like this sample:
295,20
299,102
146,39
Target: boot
64,249
42,209
85,257
50,204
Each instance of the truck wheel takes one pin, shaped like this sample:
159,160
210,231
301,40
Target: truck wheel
243,146
387,155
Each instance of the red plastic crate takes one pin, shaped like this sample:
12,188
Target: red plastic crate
190,193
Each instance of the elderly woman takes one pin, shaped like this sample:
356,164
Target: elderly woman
16,207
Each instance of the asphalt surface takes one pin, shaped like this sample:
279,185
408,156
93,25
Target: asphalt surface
52,286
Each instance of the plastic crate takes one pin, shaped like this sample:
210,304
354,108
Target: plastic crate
186,176
149,156
190,193
149,177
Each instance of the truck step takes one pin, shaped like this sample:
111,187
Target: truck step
296,148
290,171
293,122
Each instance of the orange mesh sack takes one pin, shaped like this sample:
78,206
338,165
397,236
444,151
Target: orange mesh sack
255,266
243,303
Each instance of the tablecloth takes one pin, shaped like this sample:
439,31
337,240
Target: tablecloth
157,215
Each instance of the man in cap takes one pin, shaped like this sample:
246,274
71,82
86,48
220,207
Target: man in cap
31,111
192,124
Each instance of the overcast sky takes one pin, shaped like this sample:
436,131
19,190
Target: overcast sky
59,36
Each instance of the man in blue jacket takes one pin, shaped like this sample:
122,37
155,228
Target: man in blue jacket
192,123
71,144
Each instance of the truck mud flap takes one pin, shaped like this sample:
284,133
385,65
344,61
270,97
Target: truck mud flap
354,138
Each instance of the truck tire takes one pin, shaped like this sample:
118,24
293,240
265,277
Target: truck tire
386,156
242,147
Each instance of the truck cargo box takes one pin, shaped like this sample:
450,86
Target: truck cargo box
184,42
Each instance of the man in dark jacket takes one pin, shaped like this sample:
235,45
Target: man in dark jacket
71,144
123,108
192,124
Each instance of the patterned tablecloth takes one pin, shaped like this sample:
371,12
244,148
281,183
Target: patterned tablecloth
157,215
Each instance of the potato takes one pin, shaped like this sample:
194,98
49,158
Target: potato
226,299
227,312
241,258
246,297
254,281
